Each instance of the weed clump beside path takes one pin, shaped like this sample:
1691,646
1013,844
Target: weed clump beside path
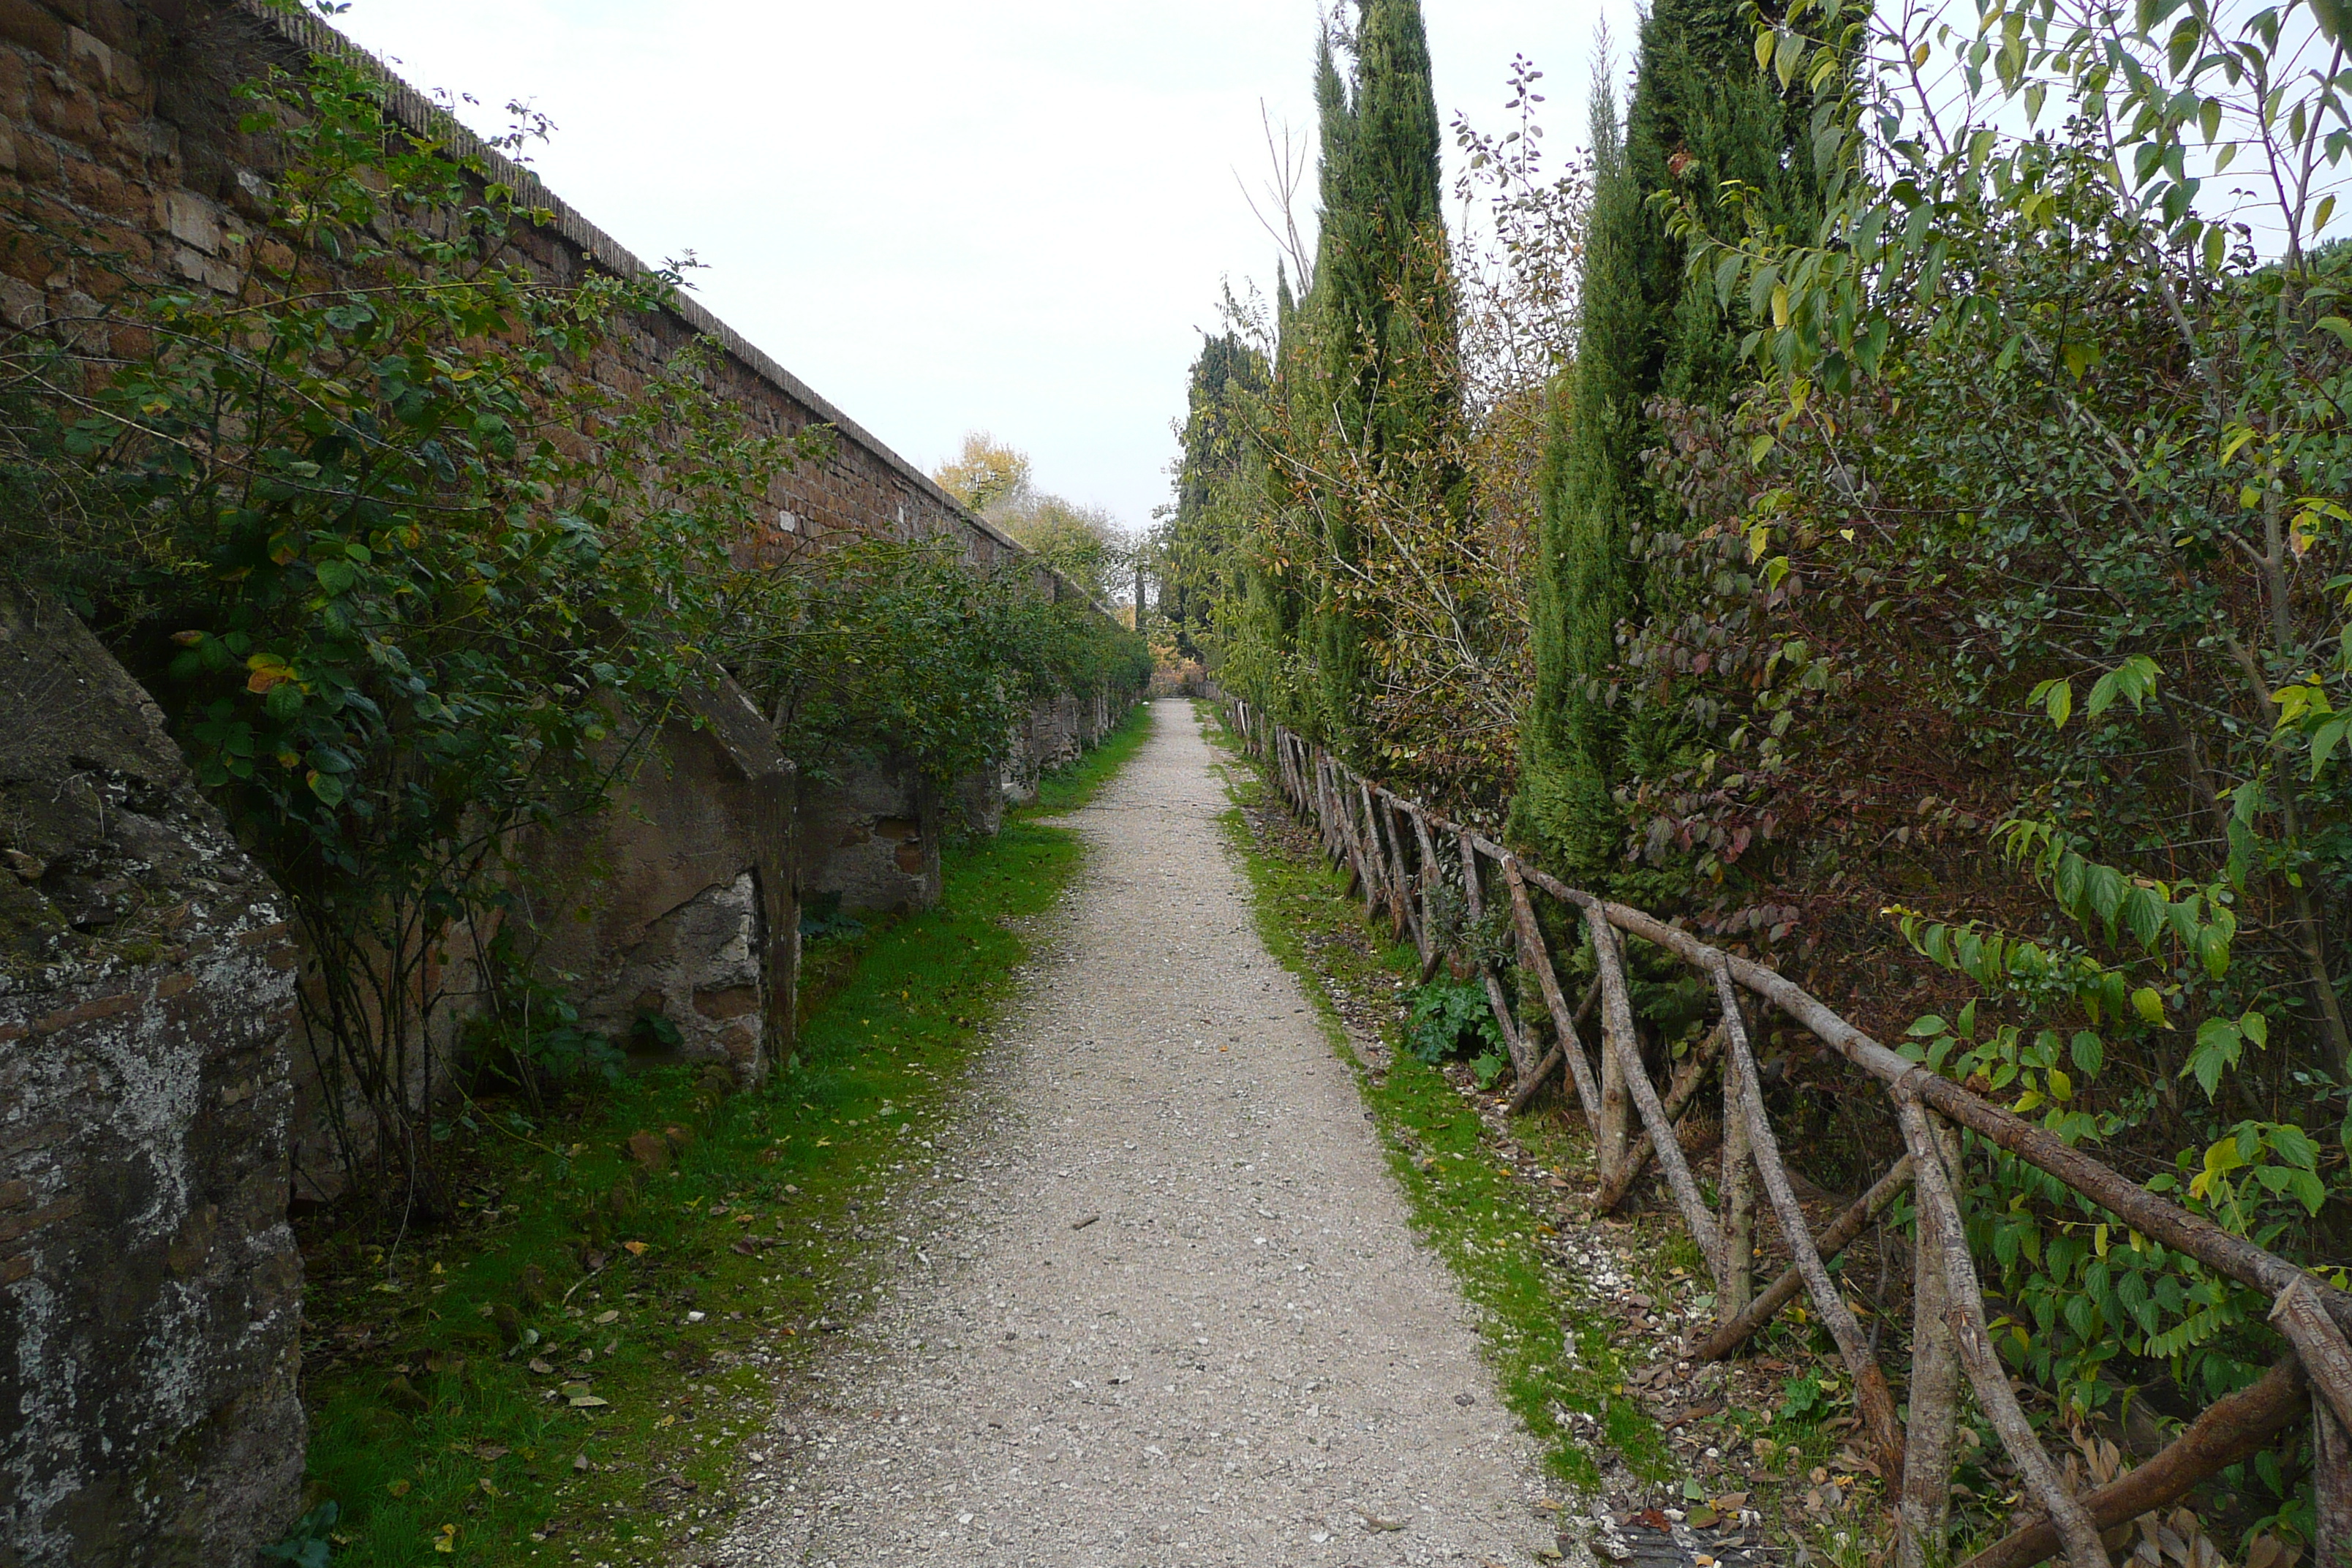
578,1365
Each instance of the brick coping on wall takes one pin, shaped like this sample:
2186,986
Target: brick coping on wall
422,115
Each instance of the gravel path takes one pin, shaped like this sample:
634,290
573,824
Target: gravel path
1159,1301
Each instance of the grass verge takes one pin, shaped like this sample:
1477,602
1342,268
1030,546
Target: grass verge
1550,1349
575,1368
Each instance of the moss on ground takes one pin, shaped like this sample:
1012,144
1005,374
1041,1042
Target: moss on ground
575,1367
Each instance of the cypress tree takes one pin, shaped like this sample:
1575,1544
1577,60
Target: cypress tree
1701,114
1381,239
1194,567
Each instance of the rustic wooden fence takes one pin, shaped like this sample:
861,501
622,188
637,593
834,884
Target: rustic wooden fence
1399,856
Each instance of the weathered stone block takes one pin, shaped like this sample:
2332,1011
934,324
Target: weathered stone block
871,834
65,112
685,892
190,217
34,26
90,60
150,1290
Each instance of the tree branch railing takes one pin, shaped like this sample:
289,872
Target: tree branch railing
1398,870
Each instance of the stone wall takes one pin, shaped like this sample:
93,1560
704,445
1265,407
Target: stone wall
116,124
680,902
150,1290
870,834
683,900
1057,732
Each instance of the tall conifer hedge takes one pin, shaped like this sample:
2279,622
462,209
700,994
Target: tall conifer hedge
1701,114
1388,389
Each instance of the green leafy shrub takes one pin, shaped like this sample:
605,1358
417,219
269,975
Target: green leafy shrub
311,1542
1804,1400
398,616
1449,1016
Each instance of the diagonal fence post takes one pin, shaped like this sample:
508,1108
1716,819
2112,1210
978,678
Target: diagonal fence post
2327,1358
1925,1509
1872,1400
1972,1342
1533,957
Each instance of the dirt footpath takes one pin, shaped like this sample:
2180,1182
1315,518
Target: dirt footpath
1159,1301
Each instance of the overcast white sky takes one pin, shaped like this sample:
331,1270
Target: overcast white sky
944,216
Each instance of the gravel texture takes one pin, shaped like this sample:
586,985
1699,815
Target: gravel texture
1158,1301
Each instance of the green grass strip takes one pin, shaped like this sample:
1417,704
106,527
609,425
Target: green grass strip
439,1439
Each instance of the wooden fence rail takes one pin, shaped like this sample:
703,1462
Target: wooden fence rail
1389,846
